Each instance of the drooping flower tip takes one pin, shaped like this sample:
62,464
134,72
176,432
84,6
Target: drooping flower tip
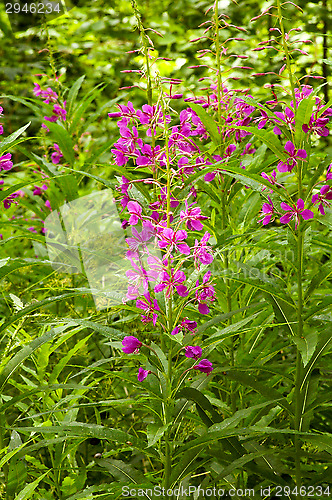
131,345
142,374
204,366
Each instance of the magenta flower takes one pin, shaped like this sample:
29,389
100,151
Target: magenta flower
205,294
126,113
5,163
185,325
202,251
262,120
294,155
142,374
56,155
329,173
184,167
137,276
149,308
150,156
192,217
171,282
131,345
204,366
135,211
287,118
38,191
323,198
317,125
272,179
138,240
194,352
48,95
9,200
294,212
163,196
174,240
268,212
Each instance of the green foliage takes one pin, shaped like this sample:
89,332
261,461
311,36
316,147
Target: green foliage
74,420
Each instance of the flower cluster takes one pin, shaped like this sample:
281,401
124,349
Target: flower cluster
49,96
131,345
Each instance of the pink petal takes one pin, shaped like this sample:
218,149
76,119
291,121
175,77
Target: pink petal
290,148
300,204
182,290
284,206
203,308
301,153
285,219
307,214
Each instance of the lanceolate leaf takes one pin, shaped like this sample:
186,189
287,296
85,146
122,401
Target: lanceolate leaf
324,272
72,94
250,381
63,138
302,117
208,122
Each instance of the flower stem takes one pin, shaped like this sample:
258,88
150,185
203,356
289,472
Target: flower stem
298,371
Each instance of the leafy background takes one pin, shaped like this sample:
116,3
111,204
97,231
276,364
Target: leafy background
59,367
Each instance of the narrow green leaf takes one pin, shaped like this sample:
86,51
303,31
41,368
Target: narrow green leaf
306,345
72,94
324,272
302,117
28,490
155,432
38,305
63,138
208,123
250,381
123,472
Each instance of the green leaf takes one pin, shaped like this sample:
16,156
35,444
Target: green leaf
124,473
155,432
10,141
323,273
201,401
323,344
72,94
82,107
208,122
38,305
269,288
63,138
246,176
303,114
322,441
250,381
25,352
306,345
79,429
28,490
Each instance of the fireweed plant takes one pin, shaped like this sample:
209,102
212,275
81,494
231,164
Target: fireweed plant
204,191
215,138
